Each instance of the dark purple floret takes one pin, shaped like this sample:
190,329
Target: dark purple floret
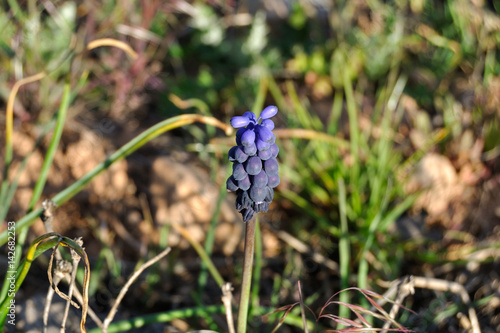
245,183
273,180
265,154
239,154
262,145
248,138
264,134
271,166
260,180
255,168
250,150
239,171
232,184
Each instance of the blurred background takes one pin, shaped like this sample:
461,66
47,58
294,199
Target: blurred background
389,135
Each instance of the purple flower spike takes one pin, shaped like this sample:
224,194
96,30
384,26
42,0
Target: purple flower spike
255,168
238,122
269,112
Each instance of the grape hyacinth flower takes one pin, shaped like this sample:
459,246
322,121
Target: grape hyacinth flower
255,168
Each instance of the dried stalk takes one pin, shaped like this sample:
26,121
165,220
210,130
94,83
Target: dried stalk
127,285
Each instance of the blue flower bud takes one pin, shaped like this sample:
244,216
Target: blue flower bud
274,150
245,183
265,154
250,150
268,123
270,194
273,180
269,112
250,116
262,145
258,194
239,154
239,171
253,165
238,122
271,166
231,184
264,134
260,179
231,153
248,137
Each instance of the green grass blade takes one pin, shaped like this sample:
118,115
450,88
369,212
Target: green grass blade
120,154
344,249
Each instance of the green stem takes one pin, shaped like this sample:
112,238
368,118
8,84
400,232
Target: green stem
257,267
344,248
247,275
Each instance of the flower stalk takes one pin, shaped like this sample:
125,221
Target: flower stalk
247,275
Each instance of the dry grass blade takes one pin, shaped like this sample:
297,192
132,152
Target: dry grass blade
51,281
287,309
127,285
112,42
302,311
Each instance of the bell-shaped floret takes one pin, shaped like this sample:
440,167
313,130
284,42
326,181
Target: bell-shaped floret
271,166
231,154
265,154
274,150
239,171
260,179
248,137
267,123
245,183
269,112
250,150
273,180
269,194
239,154
231,184
258,194
238,122
253,165
264,134
262,145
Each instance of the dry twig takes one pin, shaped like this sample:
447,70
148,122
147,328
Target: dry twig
227,298
127,285
405,285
